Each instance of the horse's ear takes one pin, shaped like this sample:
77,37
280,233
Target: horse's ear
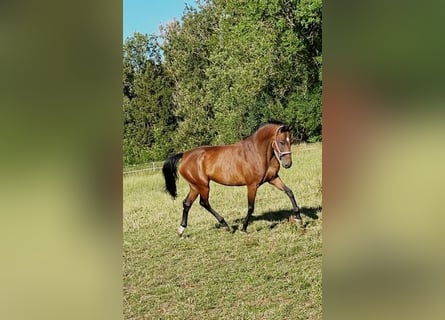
290,128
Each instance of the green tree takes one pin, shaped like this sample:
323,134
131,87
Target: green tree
147,101
267,63
219,72
186,50
241,63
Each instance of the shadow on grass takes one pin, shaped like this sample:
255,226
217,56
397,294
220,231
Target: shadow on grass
281,215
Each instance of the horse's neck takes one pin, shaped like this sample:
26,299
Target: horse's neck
263,143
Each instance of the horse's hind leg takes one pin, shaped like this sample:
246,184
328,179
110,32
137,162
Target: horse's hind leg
251,194
204,201
187,203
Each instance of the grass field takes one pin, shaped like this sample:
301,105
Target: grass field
272,272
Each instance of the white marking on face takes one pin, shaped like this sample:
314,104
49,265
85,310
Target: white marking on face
287,139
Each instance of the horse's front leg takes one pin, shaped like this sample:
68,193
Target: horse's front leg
277,182
251,194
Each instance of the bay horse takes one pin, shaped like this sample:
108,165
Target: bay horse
250,162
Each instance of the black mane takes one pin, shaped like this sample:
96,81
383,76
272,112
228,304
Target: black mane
277,122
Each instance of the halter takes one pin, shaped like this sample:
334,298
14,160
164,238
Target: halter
278,153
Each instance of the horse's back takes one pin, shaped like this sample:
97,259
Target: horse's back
222,164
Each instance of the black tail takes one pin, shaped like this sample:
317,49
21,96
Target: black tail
170,171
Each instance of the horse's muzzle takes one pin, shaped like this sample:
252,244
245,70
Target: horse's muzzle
286,165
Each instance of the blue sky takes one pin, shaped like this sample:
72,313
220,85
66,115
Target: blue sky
145,16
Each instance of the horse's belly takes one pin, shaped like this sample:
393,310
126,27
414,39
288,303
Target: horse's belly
227,177
228,181
227,173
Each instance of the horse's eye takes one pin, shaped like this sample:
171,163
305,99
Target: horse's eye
282,143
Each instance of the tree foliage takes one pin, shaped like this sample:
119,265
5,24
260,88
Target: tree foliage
147,101
214,76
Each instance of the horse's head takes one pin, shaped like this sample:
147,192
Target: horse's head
281,146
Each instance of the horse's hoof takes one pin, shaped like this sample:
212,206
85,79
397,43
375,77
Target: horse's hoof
293,219
181,230
223,225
